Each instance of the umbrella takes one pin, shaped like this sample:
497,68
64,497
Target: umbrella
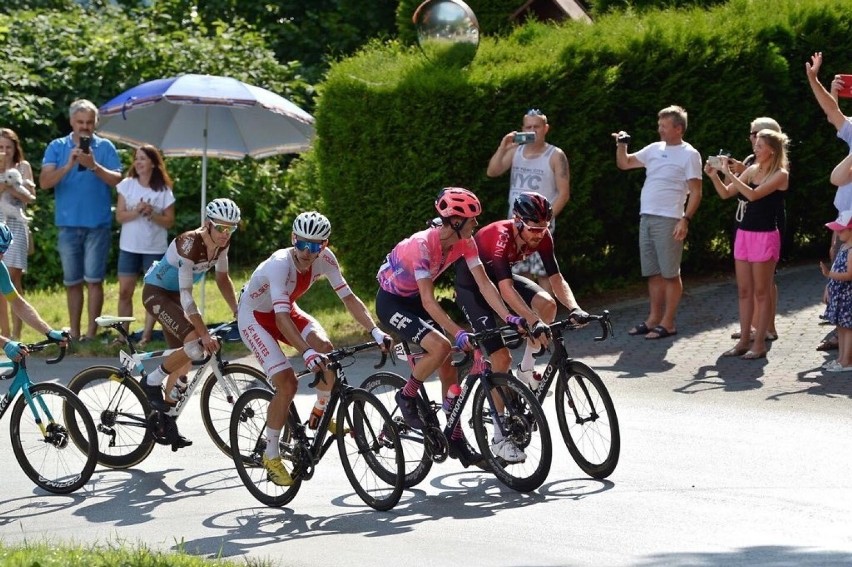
206,115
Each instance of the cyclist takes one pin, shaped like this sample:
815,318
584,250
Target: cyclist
167,295
268,314
500,245
20,306
406,300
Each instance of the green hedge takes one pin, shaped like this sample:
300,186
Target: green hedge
394,129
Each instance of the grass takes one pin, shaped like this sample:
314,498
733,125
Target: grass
45,555
320,301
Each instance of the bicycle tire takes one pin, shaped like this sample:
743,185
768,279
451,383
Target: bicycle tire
370,450
592,438
52,462
119,407
416,462
247,431
216,403
526,425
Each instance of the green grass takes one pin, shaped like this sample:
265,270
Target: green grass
122,554
320,301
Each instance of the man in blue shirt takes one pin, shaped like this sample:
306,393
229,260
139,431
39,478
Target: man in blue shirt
83,168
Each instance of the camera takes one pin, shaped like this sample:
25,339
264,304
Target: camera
623,138
717,162
524,137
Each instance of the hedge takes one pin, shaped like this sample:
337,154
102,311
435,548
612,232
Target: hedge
393,128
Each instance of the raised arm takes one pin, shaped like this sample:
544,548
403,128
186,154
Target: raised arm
827,102
501,161
842,173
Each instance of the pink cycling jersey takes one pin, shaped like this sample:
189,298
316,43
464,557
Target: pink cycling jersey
420,257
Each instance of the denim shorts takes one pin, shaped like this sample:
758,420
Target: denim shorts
83,252
133,264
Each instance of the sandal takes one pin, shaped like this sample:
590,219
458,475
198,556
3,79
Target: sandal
660,332
751,355
640,329
829,343
735,352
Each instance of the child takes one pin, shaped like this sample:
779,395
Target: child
839,307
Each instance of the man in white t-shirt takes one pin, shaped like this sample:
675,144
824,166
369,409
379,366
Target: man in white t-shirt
673,173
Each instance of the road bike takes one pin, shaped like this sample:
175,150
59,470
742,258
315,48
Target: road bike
522,420
40,423
127,424
584,408
367,441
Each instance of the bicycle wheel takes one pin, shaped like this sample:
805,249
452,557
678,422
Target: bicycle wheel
248,441
587,420
524,424
120,409
40,438
217,399
416,462
370,450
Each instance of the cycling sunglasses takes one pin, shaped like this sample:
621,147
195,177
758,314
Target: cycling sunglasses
534,229
225,228
312,247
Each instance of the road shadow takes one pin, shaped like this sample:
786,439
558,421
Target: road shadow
818,382
757,556
729,374
21,508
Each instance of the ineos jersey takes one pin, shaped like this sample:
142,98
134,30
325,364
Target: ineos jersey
276,284
498,251
185,262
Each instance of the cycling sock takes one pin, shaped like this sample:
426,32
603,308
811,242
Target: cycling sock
412,387
156,377
498,433
272,438
527,362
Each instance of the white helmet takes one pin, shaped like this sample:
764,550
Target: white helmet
312,226
223,210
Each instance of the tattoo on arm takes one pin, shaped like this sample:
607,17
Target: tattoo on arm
563,165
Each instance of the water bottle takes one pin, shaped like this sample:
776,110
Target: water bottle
179,388
452,394
317,411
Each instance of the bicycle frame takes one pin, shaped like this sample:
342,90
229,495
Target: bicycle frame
21,384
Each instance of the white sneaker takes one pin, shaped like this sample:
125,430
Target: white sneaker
830,364
508,451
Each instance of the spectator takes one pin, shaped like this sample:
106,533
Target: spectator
757,244
82,167
536,166
146,210
672,172
18,190
738,167
843,124
839,306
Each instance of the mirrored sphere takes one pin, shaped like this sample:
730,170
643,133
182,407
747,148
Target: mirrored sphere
447,32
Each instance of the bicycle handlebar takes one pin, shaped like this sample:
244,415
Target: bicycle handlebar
337,355
38,347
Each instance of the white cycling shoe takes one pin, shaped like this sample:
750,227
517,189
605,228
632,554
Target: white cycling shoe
507,451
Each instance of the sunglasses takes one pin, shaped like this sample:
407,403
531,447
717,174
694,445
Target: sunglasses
534,229
225,228
312,247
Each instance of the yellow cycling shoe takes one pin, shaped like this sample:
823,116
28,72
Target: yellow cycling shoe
277,473
332,428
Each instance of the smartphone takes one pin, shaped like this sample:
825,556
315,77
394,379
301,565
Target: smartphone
524,137
85,143
846,90
716,162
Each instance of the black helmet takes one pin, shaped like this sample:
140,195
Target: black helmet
532,207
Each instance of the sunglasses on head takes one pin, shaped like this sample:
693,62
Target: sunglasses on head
225,228
534,112
312,247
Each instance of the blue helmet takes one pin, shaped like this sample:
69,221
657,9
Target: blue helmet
5,238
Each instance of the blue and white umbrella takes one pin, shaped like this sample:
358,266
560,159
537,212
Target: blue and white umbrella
206,115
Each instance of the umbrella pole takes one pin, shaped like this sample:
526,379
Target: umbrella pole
204,197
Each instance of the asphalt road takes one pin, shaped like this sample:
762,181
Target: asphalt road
723,462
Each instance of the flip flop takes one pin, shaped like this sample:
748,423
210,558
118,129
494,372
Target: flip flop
751,355
735,352
829,343
661,332
640,329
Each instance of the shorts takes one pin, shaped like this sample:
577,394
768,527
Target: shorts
131,264
480,315
261,335
751,246
165,306
84,253
405,316
659,252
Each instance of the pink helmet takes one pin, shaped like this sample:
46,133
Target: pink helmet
455,201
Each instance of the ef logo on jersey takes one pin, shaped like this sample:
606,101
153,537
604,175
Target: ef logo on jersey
399,321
